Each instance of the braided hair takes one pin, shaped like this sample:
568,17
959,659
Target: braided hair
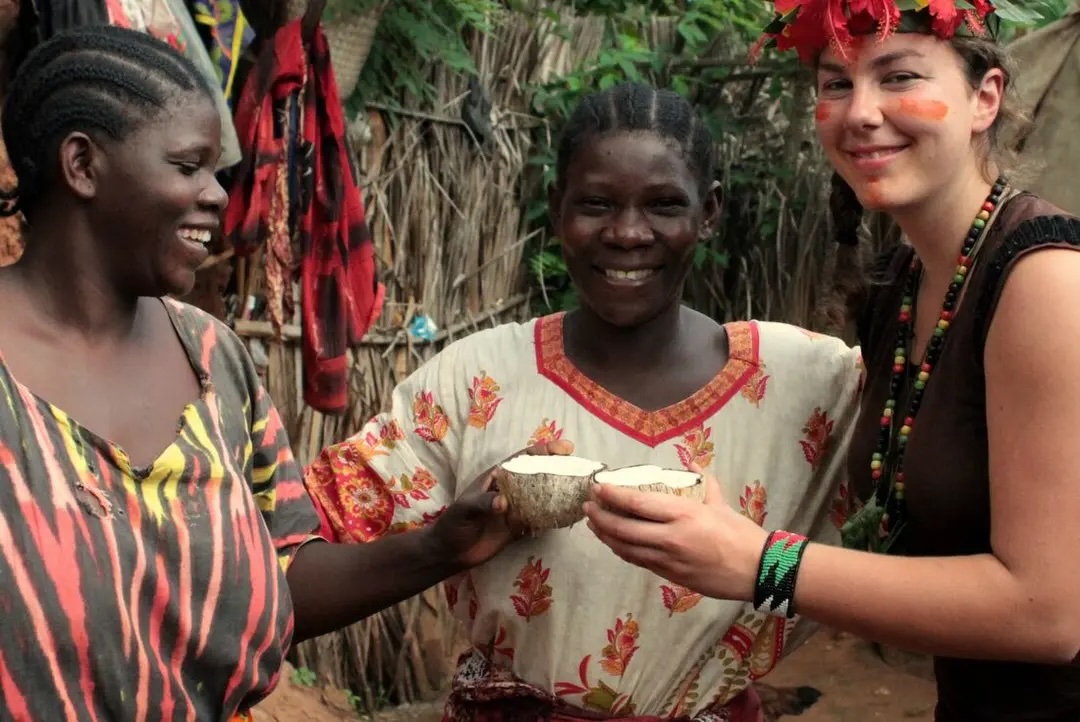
102,80
639,107
849,283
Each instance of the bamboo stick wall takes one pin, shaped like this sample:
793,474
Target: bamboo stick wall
447,219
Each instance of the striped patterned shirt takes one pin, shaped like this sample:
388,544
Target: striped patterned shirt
148,593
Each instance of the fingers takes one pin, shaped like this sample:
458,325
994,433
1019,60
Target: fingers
483,497
654,506
635,532
559,447
713,494
647,557
483,503
488,480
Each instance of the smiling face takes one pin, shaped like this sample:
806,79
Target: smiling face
900,120
155,198
629,214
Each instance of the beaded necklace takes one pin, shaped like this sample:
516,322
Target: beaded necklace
878,524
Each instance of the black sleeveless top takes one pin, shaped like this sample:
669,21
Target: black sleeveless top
947,478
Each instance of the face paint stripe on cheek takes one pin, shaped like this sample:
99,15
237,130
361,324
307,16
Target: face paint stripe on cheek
823,111
934,110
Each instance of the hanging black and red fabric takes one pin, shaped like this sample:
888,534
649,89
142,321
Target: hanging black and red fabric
295,182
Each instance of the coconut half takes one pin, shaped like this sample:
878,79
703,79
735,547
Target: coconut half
654,478
546,492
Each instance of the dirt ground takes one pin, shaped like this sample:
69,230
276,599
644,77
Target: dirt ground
856,685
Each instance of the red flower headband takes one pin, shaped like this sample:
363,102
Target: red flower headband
811,26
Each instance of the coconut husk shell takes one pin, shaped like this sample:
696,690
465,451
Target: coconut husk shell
695,491
544,500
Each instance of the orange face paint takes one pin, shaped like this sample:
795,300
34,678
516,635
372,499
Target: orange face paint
875,196
923,109
822,113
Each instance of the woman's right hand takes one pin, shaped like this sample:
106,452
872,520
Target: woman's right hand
477,526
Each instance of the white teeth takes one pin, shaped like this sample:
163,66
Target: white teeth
629,275
198,235
877,153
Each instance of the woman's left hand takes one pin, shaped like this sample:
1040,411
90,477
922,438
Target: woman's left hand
709,548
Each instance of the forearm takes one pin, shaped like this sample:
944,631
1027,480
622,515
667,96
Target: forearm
970,607
334,585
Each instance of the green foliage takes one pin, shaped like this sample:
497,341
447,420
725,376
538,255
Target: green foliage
1032,14
303,677
414,34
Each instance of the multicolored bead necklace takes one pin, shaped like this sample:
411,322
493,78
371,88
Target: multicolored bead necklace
888,504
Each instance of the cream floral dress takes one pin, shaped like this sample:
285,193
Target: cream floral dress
560,612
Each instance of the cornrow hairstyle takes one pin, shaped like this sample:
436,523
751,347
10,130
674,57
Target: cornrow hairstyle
99,79
639,107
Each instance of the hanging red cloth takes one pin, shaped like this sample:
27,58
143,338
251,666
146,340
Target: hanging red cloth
340,295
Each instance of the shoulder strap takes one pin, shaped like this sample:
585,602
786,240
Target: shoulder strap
1060,231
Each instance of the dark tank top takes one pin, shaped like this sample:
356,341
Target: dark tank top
947,479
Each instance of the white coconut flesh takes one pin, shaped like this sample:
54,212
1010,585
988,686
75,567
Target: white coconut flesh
547,492
654,478
528,465
647,474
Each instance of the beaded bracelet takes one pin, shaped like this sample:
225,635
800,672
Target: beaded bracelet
774,592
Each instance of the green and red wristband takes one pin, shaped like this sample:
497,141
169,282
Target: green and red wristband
774,592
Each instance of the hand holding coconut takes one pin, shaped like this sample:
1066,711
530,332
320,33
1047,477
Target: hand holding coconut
481,523
705,546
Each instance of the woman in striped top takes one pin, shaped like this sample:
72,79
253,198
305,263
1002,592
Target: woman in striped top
152,565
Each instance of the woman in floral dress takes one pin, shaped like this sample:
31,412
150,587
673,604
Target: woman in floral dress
559,626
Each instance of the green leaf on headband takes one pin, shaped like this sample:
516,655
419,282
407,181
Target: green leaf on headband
1013,12
906,5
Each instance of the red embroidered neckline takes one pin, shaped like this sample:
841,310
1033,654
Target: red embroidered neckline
649,427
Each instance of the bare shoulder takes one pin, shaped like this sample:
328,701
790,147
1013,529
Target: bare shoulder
1038,306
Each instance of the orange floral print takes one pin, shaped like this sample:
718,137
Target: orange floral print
697,447
752,503
534,593
390,434
427,519
622,643
546,432
843,506
349,457
602,697
412,488
816,444
768,647
430,421
363,450
679,599
484,399
754,390
366,505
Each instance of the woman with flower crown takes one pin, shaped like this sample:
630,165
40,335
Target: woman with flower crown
961,545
